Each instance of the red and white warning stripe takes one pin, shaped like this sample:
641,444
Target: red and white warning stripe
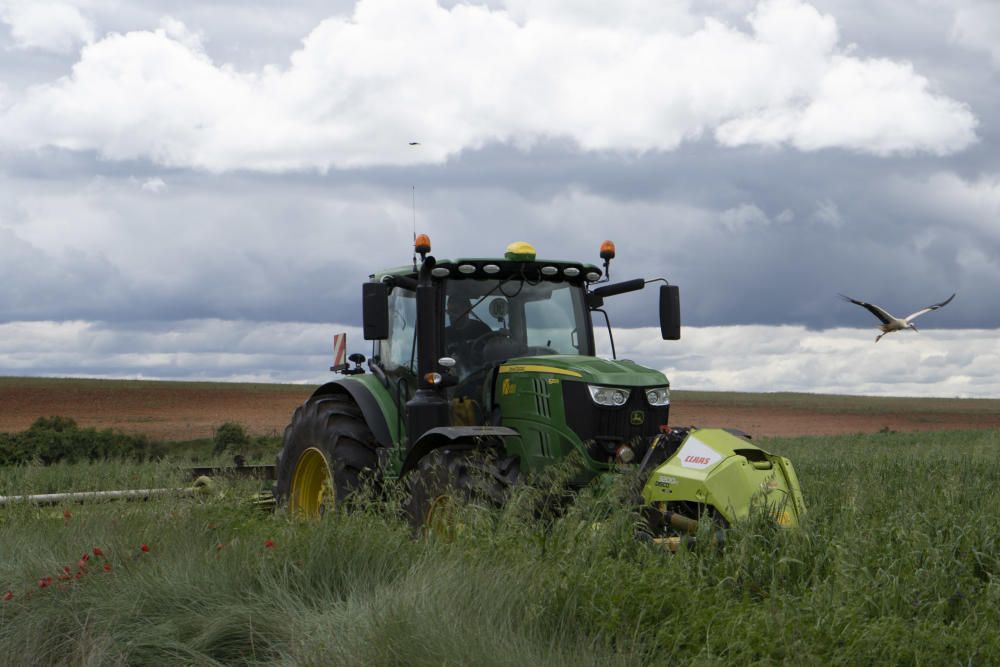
339,350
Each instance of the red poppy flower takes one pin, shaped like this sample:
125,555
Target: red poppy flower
269,544
66,569
84,558
144,548
98,552
78,575
44,582
107,567
81,564
66,514
8,596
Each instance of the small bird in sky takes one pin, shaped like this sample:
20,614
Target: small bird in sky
414,143
892,323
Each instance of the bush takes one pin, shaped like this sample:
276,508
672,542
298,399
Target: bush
58,439
230,435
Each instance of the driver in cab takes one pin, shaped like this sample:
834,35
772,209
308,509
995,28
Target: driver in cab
462,329
459,337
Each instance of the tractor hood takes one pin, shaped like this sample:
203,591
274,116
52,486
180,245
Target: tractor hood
617,373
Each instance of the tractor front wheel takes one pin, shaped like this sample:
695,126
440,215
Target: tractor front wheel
328,451
447,478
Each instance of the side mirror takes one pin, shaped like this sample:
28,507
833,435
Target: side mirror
670,312
375,310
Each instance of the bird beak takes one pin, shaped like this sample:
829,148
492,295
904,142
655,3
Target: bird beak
914,328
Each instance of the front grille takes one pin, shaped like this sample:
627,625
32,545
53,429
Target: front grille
608,427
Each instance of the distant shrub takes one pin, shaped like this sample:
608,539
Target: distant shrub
58,439
231,436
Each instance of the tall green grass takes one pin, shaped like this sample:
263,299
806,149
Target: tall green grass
897,563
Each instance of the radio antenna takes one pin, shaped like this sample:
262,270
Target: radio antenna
413,206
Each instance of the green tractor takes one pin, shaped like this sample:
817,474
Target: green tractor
484,371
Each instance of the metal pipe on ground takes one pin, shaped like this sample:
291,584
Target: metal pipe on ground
201,485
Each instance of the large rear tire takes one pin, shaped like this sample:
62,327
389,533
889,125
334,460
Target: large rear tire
327,455
448,477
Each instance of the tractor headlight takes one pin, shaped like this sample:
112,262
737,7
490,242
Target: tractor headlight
659,396
613,396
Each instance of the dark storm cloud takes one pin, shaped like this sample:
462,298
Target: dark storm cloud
752,236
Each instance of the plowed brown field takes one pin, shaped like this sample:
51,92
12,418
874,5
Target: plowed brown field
188,410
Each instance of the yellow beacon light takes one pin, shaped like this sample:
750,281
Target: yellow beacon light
520,251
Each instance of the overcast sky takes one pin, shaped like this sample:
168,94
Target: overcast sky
197,190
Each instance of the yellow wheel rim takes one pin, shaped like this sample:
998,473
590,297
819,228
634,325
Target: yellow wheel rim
312,487
440,520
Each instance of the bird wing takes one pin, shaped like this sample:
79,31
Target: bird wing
930,308
871,308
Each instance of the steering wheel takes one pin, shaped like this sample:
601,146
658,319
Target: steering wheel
478,344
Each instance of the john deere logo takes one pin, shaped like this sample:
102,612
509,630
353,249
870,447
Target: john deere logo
637,417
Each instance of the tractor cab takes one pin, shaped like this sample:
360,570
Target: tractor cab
490,320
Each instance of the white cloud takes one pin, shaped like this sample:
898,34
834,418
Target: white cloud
968,204
360,88
978,28
58,27
934,362
154,185
642,15
869,106
827,213
743,217
189,349
177,31
786,216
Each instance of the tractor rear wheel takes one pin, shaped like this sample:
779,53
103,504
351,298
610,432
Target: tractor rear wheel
446,478
327,454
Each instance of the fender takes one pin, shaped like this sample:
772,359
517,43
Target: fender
366,401
478,436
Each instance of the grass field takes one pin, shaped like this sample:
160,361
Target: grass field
898,562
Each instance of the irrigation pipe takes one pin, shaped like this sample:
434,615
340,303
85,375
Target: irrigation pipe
201,485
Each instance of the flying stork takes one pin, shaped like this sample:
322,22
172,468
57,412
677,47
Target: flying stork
892,323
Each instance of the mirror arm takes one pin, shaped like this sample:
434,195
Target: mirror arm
620,288
611,336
